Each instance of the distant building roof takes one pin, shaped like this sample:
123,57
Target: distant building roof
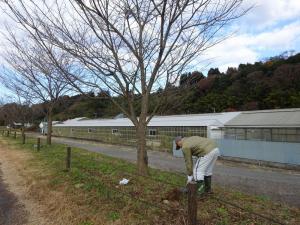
211,119
121,115
45,123
267,118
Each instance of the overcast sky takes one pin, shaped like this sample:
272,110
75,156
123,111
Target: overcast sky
270,28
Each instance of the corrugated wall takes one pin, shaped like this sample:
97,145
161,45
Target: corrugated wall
278,152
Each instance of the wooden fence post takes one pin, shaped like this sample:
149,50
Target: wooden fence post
192,203
15,135
38,144
8,133
68,159
23,139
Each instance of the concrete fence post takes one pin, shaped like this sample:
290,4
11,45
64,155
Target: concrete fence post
192,203
68,159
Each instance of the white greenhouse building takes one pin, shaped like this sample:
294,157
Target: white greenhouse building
160,133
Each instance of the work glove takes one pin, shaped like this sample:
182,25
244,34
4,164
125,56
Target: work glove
189,179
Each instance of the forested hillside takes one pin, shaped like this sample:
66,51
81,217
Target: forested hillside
263,85
272,84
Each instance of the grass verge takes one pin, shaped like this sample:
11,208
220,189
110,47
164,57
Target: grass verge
90,193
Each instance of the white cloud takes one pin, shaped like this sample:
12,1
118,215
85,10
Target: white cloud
279,38
269,13
271,26
249,48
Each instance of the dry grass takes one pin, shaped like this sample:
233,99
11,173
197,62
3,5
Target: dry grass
89,194
62,201
16,175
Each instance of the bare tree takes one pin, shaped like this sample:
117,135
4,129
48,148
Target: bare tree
16,112
32,76
134,48
17,109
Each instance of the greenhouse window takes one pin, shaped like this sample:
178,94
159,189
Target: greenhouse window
114,131
152,132
91,130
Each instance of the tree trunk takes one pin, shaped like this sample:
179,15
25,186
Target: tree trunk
49,126
142,158
23,130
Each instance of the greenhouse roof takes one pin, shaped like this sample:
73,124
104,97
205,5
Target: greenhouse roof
192,120
267,118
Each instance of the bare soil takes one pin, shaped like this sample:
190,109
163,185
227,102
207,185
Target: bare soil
16,206
31,199
12,212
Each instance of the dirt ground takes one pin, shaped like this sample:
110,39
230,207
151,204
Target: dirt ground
12,212
16,207
29,198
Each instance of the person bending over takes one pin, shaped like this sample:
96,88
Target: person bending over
207,153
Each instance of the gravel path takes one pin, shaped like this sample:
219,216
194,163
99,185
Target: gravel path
276,184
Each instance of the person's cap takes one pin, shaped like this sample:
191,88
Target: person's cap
176,140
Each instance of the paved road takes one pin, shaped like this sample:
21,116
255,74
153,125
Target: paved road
11,211
279,185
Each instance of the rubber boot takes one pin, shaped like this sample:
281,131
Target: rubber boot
207,184
200,187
